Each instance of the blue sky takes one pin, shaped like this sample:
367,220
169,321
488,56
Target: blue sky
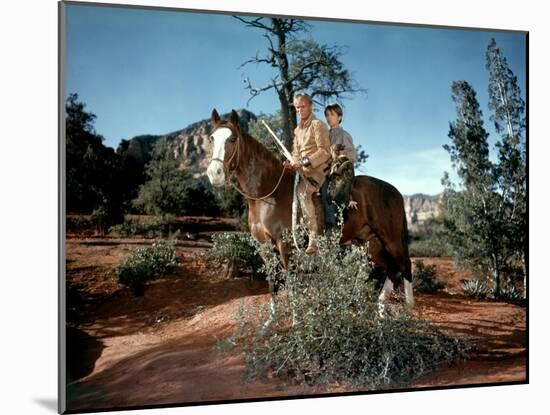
153,72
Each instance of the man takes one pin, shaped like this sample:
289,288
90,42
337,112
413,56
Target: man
311,153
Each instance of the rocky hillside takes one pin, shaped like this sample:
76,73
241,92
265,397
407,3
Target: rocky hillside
190,145
419,208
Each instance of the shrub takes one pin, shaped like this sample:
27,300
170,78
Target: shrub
77,223
100,218
237,249
325,327
511,294
428,245
147,263
476,288
424,278
156,228
126,228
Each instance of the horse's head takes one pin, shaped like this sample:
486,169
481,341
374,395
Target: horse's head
225,137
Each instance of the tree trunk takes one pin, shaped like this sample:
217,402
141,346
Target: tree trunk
496,277
286,93
524,266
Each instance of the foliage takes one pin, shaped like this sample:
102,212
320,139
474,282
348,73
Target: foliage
424,278
511,294
325,325
201,199
429,243
511,170
77,223
230,202
97,178
171,190
257,129
485,216
236,249
476,288
155,228
164,191
147,263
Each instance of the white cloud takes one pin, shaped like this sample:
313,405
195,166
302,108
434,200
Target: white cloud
415,172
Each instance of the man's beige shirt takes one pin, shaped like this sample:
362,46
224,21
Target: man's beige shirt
311,140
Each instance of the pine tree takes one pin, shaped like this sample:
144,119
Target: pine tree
511,172
472,223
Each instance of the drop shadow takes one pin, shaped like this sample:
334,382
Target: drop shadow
48,403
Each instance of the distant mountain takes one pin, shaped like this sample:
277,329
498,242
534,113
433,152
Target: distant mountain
190,144
419,208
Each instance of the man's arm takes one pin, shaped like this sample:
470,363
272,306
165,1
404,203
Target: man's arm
295,153
323,145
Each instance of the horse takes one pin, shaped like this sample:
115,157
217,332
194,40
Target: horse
379,217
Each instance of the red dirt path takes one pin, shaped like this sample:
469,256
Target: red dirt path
158,349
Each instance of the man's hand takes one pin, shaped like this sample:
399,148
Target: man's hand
291,166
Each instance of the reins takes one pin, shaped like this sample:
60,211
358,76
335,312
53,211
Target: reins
232,171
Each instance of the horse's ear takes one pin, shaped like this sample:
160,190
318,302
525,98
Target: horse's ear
215,117
234,118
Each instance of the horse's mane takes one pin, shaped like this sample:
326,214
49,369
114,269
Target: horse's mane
260,149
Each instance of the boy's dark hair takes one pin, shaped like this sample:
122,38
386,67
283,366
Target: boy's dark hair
335,108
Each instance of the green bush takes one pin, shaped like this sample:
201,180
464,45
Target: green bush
125,229
237,249
77,223
424,278
147,263
100,218
511,294
427,246
156,228
325,327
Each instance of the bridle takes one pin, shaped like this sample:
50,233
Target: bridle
228,177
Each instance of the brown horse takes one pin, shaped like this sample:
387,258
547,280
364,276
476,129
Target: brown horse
379,218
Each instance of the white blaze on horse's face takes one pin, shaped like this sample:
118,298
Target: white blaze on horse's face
215,171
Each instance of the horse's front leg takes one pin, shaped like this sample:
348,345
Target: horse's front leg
284,250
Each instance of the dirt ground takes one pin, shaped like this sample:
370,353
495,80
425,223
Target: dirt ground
157,349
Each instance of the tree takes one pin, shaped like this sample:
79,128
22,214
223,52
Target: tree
301,65
165,191
99,181
509,120
473,224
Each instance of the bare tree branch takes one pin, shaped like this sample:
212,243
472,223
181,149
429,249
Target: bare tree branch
254,23
257,59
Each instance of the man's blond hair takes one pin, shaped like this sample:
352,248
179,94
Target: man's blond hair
302,95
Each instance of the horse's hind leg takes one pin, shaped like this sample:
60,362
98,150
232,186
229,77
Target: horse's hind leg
400,256
384,294
382,260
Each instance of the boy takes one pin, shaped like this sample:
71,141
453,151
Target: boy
337,187
337,134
